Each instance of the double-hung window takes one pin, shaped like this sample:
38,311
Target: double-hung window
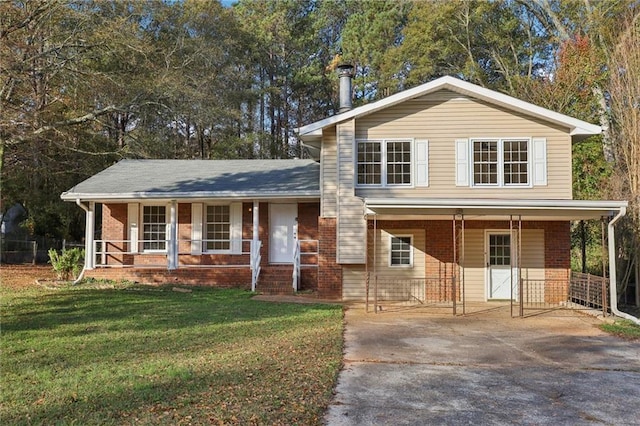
400,250
516,162
154,229
501,162
217,228
384,162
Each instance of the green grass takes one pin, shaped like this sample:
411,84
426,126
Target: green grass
155,356
623,328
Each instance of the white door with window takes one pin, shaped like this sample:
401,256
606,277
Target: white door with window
282,233
500,262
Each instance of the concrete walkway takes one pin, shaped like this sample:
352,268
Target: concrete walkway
423,368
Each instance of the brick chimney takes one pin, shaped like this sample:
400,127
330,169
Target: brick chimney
345,72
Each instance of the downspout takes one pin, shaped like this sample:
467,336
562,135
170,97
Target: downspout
613,284
87,251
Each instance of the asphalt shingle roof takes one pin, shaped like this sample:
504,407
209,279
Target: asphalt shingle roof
201,178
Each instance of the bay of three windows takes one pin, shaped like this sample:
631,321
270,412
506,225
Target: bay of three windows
391,162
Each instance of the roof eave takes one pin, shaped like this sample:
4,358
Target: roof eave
70,196
561,209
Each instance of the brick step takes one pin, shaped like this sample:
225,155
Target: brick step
275,287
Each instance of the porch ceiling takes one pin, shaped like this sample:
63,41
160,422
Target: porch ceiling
491,209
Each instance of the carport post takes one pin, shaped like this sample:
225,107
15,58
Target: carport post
603,219
511,274
366,266
519,263
458,260
375,271
454,266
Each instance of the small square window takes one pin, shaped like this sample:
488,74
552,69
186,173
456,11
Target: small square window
401,251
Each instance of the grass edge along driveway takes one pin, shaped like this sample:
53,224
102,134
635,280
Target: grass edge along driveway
150,355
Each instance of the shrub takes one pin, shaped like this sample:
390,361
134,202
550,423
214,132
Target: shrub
67,264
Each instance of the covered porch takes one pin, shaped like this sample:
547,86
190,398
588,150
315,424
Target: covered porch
253,244
458,253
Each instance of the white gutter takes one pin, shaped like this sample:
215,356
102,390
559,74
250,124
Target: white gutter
69,196
613,283
456,203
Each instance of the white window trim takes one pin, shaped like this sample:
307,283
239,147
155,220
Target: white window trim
167,218
391,237
383,164
235,226
500,183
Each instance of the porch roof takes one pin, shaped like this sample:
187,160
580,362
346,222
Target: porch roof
491,209
189,179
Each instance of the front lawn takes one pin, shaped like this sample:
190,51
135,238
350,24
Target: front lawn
152,355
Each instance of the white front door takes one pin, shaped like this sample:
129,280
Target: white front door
499,266
282,232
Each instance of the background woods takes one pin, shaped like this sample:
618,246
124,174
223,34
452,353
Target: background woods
86,83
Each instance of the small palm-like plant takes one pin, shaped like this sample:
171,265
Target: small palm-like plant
66,264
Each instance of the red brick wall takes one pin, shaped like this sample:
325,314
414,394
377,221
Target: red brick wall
439,249
184,228
329,272
308,214
115,227
557,261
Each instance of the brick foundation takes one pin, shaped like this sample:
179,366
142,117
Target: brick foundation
213,277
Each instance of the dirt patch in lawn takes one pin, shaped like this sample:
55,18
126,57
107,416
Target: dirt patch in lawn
17,277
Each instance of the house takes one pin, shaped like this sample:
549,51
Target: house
444,192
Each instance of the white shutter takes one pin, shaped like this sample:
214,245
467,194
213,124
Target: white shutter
462,162
235,214
422,162
539,161
133,217
196,228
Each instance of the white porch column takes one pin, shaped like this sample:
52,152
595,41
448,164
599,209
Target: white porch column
89,230
172,248
256,221
255,246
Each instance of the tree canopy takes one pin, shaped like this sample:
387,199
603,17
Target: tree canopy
84,83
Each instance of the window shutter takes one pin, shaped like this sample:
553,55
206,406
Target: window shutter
196,228
133,217
235,214
539,161
462,162
422,162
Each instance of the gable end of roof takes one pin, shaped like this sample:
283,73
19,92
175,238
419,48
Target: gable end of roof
576,127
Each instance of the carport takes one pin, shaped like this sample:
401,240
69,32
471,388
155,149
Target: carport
491,247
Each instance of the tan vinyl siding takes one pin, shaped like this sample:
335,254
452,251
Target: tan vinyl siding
474,265
329,179
351,223
387,272
353,283
443,117
354,277
475,260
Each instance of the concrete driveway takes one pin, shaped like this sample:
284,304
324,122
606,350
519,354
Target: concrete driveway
426,368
